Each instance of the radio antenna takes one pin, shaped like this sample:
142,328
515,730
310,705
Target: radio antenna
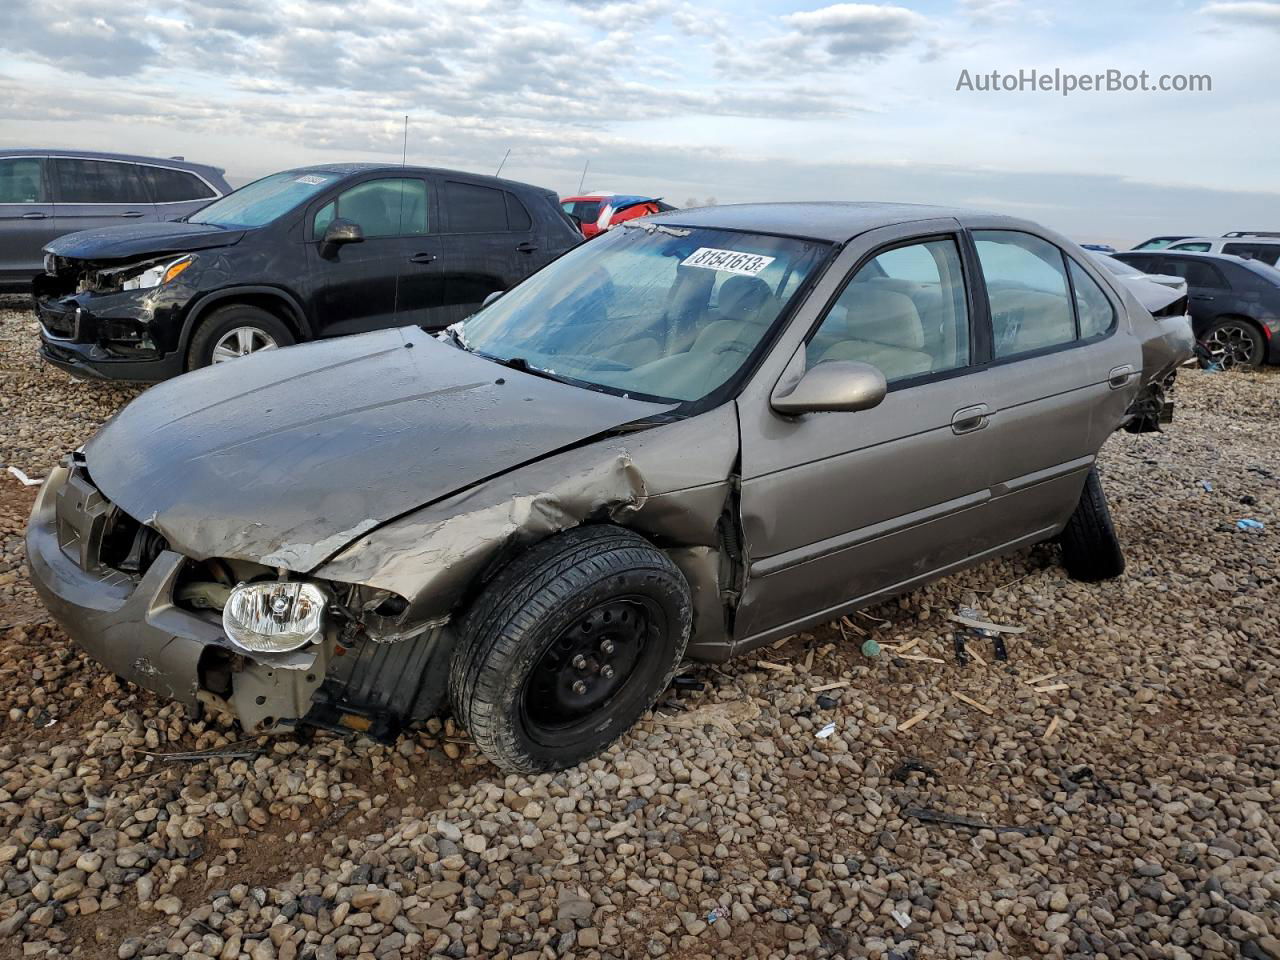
504,161
404,152
583,178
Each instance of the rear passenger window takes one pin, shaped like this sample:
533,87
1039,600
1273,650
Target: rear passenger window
1196,272
1191,247
98,181
903,312
475,209
1097,316
1027,287
20,181
174,186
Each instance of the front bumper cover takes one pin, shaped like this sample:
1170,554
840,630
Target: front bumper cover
131,335
132,626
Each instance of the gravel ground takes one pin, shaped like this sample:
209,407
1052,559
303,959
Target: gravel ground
1116,779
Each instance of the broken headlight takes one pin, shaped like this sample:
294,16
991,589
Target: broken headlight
157,273
274,617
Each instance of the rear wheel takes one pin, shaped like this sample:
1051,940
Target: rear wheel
1090,548
1232,342
568,647
236,331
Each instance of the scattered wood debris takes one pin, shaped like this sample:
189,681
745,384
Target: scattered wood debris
906,725
975,704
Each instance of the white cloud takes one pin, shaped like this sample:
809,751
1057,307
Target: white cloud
859,29
1254,13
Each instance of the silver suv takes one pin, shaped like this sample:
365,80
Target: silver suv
694,434
47,193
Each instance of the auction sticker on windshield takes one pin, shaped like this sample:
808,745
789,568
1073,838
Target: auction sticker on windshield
311,180
730,261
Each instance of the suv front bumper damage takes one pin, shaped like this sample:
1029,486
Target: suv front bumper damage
131,625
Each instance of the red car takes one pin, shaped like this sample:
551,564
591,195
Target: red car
600,211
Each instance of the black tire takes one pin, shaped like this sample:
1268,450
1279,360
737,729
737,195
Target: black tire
1090,548
1232,342
225,319
510,672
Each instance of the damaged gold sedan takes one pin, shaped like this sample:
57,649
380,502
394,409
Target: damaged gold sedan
688,437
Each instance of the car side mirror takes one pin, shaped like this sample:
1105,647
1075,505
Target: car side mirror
491,297
342,231
832,385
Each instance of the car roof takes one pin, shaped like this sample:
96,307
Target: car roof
1246,238
103,155
833,221
349,169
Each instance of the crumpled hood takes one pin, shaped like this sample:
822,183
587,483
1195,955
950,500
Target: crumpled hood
284,457
135,240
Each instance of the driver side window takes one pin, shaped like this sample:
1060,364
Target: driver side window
903,312
394,207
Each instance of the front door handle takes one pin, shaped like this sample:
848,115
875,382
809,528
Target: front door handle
1201,296
35,215
526,247
969,419
422,258
132,214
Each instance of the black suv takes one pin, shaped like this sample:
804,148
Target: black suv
307,253
1234,303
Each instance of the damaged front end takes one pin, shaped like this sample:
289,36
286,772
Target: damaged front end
159,620
111,319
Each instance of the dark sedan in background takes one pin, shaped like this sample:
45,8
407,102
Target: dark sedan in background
298,255
1234,303
48,193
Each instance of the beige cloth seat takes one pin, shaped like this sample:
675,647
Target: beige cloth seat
880,327
1025,320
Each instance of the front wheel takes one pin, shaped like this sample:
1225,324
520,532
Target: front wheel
568,647
1232,343
236,331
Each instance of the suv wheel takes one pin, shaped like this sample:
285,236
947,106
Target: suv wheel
567,647
1233,343
236,331
1090,548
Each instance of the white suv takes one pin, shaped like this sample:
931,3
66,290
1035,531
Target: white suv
1264,247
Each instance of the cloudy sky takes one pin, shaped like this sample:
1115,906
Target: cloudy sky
732,99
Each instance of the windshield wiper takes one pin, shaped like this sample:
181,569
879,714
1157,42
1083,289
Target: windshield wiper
523,365
454,333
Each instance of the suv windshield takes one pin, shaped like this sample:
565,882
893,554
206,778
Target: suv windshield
657,312
263,200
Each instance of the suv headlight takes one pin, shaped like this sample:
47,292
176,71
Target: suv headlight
274,617
157,274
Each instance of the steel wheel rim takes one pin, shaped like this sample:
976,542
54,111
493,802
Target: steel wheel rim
240,342
589,666
1230,346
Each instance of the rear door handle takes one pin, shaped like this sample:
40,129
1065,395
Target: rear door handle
1201,296
132,214
35,215
526,247
422,258
1119,376
969,419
